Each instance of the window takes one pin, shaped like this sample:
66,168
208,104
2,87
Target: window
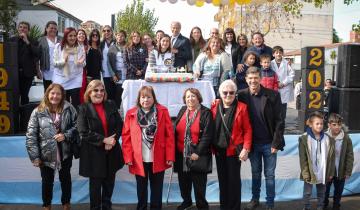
61,24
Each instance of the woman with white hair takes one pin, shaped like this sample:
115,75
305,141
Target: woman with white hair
232,143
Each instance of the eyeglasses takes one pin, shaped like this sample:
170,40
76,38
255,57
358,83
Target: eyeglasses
228,93
106,30
99,90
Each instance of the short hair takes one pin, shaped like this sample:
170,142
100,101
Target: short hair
257,33
159,31
314,115
265,56
91,86
278,48
145,90
228,83
194,91
335,118
45,103
253,70
24,23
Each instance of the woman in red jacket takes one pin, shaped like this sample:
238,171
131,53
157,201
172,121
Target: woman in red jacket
232,143
148,146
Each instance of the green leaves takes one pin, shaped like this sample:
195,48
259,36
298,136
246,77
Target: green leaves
8,14
136,18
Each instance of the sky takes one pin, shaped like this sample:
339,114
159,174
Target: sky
189,16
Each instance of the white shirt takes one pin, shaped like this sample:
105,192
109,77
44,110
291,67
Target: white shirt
120,65
105,66
318,154
48,73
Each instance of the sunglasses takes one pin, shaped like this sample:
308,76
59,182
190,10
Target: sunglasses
228,93
95,35
99,90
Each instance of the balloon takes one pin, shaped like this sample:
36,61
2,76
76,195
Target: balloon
224,2
162,0
241,2
208,1
191,2
216,2
199,3
231,2
173,1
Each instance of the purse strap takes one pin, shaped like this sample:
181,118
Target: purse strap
225,126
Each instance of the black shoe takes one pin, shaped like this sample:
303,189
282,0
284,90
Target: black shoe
336,208
184,206
252,205
269,208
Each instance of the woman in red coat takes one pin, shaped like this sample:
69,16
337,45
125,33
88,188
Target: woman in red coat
148,146
232,142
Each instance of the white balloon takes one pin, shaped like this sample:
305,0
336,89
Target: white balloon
224,2
173,1
191,2
163,0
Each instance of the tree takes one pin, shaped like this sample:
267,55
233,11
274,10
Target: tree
9,11
336,38
356,27
35,32
134,18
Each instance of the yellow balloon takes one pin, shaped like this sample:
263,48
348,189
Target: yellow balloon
231,2
241,2
199,3
216,2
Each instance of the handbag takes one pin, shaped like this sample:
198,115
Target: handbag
202,165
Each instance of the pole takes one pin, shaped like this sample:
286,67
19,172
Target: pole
169,186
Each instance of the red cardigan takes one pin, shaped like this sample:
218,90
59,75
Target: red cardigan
241,130
164,142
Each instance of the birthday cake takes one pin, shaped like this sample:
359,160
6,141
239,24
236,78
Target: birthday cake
178,75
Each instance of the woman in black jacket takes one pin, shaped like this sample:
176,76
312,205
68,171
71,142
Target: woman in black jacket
100,127
193,134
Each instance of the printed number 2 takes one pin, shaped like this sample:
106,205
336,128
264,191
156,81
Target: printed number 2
316,57
315,100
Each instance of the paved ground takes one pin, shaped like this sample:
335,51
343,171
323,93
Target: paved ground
348,203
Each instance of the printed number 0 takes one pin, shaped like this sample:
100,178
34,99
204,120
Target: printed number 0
314,78
316,57
315,100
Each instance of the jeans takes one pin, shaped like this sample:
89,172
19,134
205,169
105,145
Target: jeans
320,190
338,189
260,153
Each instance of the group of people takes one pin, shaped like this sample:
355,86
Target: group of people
246,121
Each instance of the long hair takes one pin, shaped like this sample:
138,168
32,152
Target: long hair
91,86
202,41
229,31
86,42
51,22
159,45
97,32
243,48
208,48
64,41
131,44
45,102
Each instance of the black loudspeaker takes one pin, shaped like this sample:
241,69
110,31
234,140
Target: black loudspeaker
346,101
348,64
24,115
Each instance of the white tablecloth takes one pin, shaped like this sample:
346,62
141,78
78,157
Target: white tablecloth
168,94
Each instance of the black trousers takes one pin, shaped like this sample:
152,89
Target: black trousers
228,170
73,96
110,87
46,84
186,180
156,187
338,190
24,88
47,180
101,190
118,94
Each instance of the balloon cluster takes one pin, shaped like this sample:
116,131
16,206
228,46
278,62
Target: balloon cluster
201,3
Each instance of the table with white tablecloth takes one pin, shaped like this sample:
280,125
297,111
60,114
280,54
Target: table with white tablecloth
169,94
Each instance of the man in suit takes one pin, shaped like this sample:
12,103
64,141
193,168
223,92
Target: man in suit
268,129
180,46
28,54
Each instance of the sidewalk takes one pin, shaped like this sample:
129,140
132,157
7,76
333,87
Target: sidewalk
348,203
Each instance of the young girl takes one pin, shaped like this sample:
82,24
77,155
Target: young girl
249,60
316,151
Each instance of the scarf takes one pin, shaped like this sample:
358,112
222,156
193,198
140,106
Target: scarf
187,136
148,125
70,51
223,137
